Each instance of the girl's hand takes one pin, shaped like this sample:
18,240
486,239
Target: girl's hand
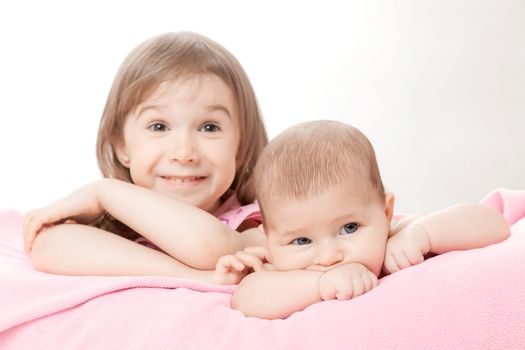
81,206
231,269
346,282
406,248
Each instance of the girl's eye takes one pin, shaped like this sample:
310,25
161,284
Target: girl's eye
301,241
210,127
158,127
349,228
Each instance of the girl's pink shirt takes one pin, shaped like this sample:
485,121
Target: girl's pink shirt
231,213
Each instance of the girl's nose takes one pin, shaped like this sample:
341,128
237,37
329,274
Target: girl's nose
184,149
330,253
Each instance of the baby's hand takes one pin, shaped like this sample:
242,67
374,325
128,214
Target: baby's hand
401,224
231,269
346,282
406,248
81,206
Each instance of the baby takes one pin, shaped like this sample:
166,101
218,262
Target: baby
327,219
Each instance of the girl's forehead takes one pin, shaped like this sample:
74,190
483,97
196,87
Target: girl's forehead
202,92
190,86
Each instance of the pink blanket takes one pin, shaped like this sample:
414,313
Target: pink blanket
459,300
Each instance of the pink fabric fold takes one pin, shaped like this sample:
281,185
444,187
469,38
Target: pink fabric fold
462,300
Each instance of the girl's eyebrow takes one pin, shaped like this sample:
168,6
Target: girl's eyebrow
143,108
218,107
211,108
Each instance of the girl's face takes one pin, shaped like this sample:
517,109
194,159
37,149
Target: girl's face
182,141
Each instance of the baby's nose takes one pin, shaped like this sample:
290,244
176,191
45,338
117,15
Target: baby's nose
330,253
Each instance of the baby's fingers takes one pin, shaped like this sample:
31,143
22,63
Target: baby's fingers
259,251
415,257
369,280
402,260
229,262
250,260
390,265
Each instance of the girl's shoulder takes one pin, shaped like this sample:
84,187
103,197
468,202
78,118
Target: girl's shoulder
232,214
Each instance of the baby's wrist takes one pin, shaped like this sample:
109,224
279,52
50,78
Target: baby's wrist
423,236
321,274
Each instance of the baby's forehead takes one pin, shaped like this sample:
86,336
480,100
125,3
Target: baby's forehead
332,208
354,191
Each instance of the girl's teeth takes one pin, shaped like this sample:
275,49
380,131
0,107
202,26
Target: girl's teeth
179,180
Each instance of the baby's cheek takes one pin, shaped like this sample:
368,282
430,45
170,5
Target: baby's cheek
286,261
373,256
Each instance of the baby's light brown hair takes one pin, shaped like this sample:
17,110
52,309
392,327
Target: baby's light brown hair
311,158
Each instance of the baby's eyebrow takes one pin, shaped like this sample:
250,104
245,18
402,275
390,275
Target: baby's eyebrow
346,218
299,232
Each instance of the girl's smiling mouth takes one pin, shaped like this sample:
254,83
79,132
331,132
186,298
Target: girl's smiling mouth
187,181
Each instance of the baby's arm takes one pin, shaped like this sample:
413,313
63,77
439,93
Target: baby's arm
278,294
464,226
460,227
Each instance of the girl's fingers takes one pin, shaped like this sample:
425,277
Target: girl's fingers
37,220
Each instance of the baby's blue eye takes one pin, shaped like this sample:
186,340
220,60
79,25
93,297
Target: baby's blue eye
157,126
349,228
302,241
210,127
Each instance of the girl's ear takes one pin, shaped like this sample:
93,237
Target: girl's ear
122,154
389,205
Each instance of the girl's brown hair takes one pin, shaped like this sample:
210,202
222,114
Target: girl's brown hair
170,57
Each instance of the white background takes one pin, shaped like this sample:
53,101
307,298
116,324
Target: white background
438,86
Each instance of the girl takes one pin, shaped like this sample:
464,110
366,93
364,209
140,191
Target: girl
177,143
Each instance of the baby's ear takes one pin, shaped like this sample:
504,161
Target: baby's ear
122,154
389,205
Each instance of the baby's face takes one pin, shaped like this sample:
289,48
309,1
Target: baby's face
328,230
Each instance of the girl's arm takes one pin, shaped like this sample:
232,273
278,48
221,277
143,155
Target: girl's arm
186,233
72,249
